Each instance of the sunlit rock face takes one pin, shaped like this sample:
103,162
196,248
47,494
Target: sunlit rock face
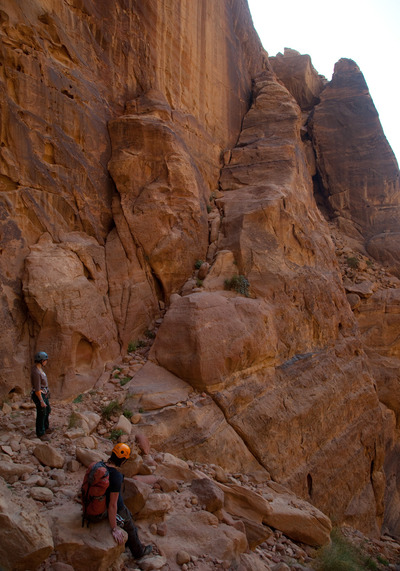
358,170
299,77
67,70
356,183
161,188
285,364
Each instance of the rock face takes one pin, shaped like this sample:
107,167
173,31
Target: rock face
65,290
66,73
299,77
363,188
83,547
26,539
161,188
161,177
257,368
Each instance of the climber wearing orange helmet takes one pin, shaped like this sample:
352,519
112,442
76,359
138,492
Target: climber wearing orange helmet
118,513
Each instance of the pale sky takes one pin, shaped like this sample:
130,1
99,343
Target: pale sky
366,31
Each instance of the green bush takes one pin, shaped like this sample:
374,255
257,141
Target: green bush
115,434
78,399
239,284
110,409
198,264
133,345
125,380
128,413
73,420
342,555
353,262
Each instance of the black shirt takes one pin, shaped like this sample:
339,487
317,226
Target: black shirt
116,480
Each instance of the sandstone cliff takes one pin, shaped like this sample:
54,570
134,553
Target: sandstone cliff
140,142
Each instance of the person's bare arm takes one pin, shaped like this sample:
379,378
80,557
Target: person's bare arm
40,397
117,533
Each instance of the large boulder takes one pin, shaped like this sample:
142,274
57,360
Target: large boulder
86,456
48,455
208,493
199,533
279,509
153,388
25,536
84,548
297,518
207,337
135,494
65,290
198,431
10,470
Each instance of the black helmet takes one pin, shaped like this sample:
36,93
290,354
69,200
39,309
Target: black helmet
41,356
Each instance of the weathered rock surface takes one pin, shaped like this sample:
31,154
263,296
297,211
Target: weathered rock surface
161,188
214,336
199,431
194,531
66,72
65,290
278,509
168,506
379,320
82,547
299,77
155,388
49,456
25,537
265,377
217,161
358,170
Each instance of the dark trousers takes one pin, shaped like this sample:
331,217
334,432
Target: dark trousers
42,414
134,543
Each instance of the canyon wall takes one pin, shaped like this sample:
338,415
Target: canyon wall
140,142
68,70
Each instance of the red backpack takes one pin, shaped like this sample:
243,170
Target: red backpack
94,487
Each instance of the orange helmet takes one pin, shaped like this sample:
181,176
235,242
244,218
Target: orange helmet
122,450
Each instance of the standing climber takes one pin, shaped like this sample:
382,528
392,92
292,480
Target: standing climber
117,510
40,395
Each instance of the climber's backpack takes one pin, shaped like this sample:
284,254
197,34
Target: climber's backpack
94,487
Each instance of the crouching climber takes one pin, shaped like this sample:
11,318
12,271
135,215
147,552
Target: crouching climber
116,506
102,497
